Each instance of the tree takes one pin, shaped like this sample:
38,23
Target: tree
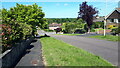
29,14
58,30
19,23
86,12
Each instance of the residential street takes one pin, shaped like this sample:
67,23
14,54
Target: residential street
105,49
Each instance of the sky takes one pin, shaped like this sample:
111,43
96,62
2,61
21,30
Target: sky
65,9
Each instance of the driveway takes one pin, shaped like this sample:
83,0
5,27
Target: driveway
105,49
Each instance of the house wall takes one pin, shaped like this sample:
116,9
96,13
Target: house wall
52,28
113,21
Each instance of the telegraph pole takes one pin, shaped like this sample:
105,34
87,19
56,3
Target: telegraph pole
105,20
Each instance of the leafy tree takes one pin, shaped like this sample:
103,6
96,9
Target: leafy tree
70,27
31,15
22,20
86,12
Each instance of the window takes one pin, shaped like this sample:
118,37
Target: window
112,20
118,20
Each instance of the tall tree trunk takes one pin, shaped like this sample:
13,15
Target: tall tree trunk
88,29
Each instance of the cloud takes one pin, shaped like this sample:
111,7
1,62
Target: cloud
66,4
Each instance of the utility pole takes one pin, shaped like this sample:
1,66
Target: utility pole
105,20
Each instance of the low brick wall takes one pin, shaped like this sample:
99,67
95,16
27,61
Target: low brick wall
12,58
102,31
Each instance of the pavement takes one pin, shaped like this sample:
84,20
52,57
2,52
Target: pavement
33,56
105,49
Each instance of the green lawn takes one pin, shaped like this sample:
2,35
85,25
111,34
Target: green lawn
107,37
68,34
58,53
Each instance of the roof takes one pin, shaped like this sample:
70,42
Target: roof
118,9
54,25
99,19
114,15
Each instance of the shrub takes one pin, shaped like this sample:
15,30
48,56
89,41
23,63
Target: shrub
6,39
92,30
12,35
80,31
115,31
58,30
98,25
110,26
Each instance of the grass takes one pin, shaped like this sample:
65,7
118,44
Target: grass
58,53
107,37
68,34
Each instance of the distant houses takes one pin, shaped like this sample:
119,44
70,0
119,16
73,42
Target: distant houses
54,26
98,19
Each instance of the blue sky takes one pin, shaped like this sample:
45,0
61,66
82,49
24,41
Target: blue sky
66,9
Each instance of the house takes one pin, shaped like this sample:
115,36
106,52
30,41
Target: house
53,26
98,19
114,16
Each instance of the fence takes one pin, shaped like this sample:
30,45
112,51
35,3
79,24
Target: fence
15,54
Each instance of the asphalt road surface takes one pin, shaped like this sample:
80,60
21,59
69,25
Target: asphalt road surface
105,49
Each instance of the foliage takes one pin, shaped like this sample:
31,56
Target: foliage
6,39
22,21
92,30
60,20
70,27
98,25
58,30
31,15
110,26
115,31
86,12
80,31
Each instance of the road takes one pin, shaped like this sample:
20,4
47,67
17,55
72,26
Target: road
105,49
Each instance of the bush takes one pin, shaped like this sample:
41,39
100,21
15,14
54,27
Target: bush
12,34
92,30
80,31
58,30
115,31
98,25
110,26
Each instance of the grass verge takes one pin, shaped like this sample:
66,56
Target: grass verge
68,34
58,53
107,37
